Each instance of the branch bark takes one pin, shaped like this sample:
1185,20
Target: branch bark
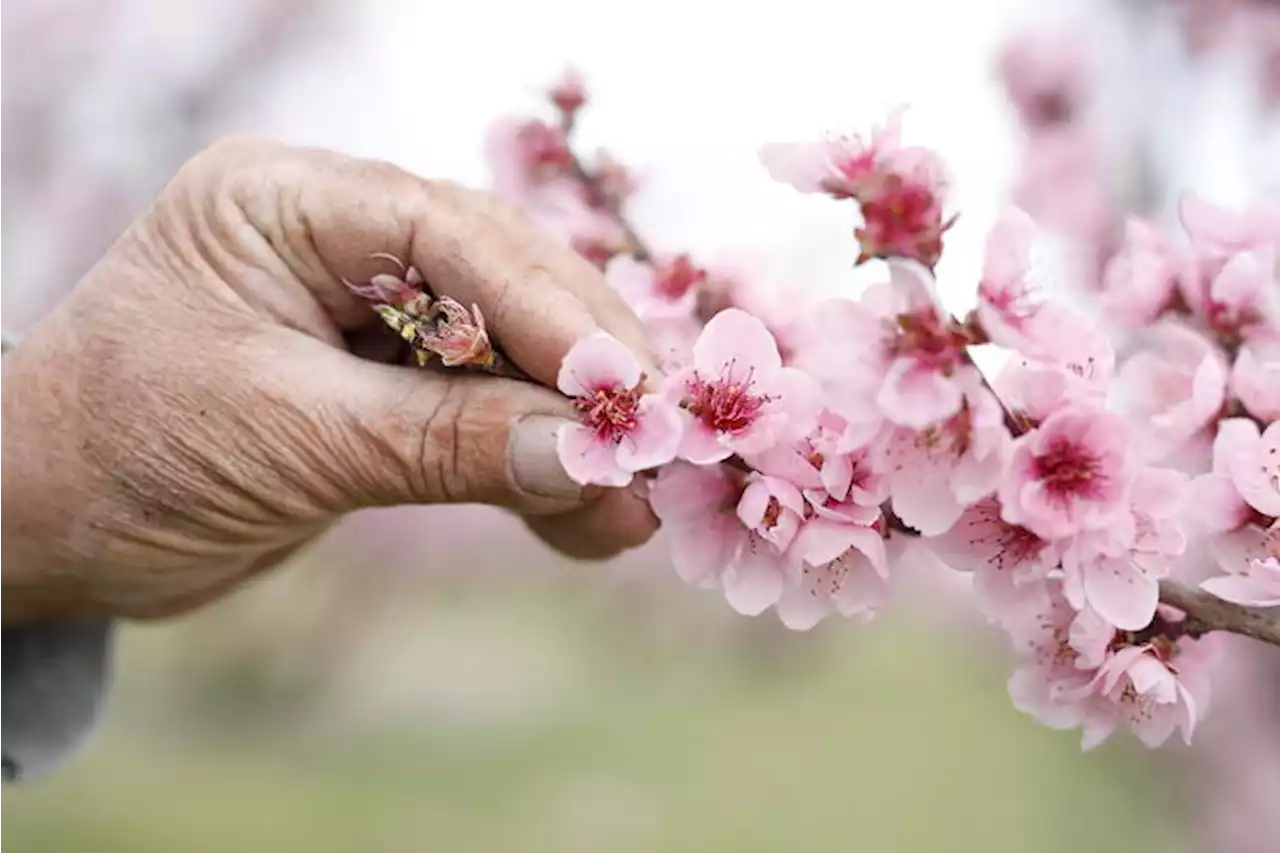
1206,612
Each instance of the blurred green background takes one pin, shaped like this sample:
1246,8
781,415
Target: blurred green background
336,708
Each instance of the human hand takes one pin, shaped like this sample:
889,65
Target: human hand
211,396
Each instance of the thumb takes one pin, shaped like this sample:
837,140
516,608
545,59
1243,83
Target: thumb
392,435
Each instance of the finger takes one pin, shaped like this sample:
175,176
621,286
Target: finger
325,215
621,519
348,433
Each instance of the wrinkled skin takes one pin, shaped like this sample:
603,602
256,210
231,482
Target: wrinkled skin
210,396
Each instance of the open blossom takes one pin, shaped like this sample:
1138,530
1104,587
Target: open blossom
896,349
1080,672
1255,379
737,397
1075,371
934,473
900,189
1173,387
1257,585
773,509
1008,304
1221,232
698,508
622,431
1070,473
1238,299
1219,507
1142,278
839,567
1115,570
1008,561
833,460
663,290
1253,462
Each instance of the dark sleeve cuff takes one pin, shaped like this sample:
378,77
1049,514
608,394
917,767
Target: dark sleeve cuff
55,680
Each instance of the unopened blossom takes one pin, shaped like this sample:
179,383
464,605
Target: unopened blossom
621,430
1255,379
568,93
737,397
459,337
665,289
833,459
1141,279
1173,387
1115,569
1070,473
896,349
1046,76
1008,561
934,473
902,216
840,567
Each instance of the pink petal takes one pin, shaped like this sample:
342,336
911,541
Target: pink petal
1008,248
655,438
799,396
803,165
685,492
597,361
1217,507
1120,593
588,460
700,444
800,609
754,582
701,552
735,341
1242,589
926,503
865,589
917,397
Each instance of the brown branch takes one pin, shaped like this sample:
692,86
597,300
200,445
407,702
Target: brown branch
600,199
1206,612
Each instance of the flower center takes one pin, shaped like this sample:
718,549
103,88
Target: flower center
611,412
1067,470
772,512
678,278
926,337
725,405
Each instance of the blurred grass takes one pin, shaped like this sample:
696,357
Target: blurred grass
878,738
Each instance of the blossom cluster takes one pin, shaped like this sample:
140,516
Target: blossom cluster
790,453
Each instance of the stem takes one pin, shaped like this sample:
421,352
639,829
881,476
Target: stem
1207,613
639,249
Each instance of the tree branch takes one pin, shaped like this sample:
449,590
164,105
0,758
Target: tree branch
1206,612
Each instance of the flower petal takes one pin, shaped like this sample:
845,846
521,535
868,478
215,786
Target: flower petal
587,460
655,438
597,361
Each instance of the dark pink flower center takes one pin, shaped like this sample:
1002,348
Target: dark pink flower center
772,512
934,342
726,404
611,412
678,277
901,217
1067,470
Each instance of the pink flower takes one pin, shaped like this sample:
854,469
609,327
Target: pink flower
1255,379
1238,299
1046,76
697,506
839,568
1070,473
524,155
568,93
1156,689
1218,506
1141,279
832,459
1007,302
1222,233
665,290
1253,463
840,166
622,431
737,397
1075,370
900,189
933,474
1258,585
459,336
895,350
1173,388
773,509
1008,562
1116,570
739,280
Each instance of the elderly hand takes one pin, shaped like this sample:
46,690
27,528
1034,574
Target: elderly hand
208,398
